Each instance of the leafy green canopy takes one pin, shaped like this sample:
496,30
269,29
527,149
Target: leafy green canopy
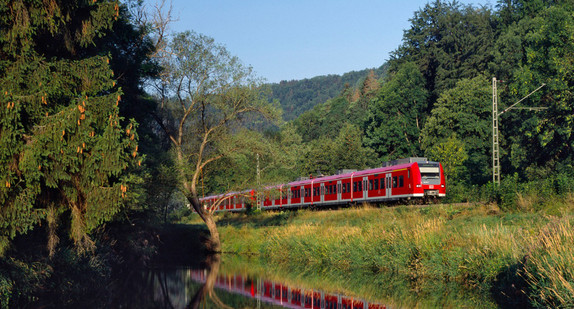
464,112
544,48
397,114
63,146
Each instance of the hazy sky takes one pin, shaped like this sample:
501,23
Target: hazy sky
296,39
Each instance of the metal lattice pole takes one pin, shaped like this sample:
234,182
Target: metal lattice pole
495,145
495,117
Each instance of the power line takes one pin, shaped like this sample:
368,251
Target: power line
495,123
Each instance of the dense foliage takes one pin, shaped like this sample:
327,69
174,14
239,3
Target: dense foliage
437,92
65,149
71,84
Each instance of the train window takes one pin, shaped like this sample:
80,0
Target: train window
371,185
355,186
401,181
348,187
339,188
394,181
360,184
377,184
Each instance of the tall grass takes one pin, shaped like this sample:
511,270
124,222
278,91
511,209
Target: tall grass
474,245
549,269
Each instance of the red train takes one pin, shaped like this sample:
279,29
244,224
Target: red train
404,179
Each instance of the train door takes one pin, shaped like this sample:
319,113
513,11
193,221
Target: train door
339,191
389,184
365,187
322,192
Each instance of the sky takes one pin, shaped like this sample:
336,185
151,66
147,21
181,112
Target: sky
297,39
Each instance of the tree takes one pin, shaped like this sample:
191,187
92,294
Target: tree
370,84
205,95
544,53
397,115
465,112
64,150
349,152
447,41
345,151
451,154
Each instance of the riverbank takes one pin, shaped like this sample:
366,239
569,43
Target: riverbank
517,257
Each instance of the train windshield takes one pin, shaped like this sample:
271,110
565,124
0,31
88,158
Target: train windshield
430,173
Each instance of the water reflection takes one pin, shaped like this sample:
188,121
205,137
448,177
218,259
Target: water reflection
201,288
244,283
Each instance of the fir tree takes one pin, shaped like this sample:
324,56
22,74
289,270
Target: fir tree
64,150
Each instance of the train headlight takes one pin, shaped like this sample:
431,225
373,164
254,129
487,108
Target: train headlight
442,186
419,186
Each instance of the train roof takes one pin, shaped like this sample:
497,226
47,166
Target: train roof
323,179
377,170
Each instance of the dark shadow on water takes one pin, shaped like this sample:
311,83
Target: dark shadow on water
510,289
182,244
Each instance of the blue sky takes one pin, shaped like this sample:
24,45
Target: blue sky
296,39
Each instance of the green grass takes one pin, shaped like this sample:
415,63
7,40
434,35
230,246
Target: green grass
478,246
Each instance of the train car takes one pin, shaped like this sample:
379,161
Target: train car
405,179
232,201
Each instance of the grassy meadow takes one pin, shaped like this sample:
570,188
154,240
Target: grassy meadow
517,257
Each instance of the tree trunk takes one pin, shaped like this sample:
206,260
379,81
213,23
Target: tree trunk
214,243
213,263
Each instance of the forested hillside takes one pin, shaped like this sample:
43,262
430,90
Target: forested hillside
298,96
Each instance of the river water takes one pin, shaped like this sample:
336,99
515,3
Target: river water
225,283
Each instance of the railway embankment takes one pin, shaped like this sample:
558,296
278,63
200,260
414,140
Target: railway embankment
519,257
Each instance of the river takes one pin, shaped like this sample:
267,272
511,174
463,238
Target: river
229,282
